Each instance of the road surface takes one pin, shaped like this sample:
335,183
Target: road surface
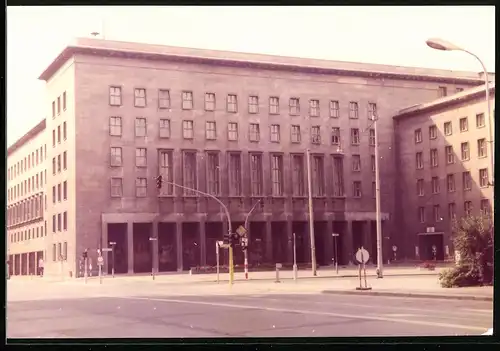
231,316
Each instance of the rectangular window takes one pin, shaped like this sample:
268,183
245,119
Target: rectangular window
420,187
277,175
442,92
372,137
232,131
295,133
274,105
166,171
58,134
466,180
141,159
480,120
294,106
419,160
140,127
163,98
465,152
434,158
54,194
187,100
59,192
450,157
141,187
256,174
53,138
432,132
356,189
316,135
54,251
421,214
355,138
275,133
483,177
115,126
468,208
209,102
58,105
481,148
140,97
65,190
187,130
314,108
447,128
353,110
164,128
116,157
435,185
65,220
464,124
210,130
254,132
334,109
115,96
356,163
65,160
458,90
437,213
318,175
372,111
64,131
53,109
213,173
298,175
232,103
450,183
234,174
451,210
64,101
253,104
335,137
374,165
59,164
189,173
59,222
485,206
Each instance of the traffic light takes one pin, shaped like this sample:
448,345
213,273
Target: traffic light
234,239
85,254
159,181
244,243
225,239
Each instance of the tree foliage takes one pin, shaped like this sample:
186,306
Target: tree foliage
473,239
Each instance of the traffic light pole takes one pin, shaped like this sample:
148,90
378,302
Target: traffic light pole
245,252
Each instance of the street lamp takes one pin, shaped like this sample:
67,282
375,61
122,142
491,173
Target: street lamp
245,252
335,236
113,244
440,44
377,202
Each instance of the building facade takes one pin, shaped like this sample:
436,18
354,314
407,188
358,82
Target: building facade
444,164
237,126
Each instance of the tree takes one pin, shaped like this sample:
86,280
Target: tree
473,239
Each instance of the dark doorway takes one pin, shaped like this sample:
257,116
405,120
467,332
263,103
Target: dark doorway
256,243
213,232
167,247
190,246
24,264
357,235
31,263
426,243
143,259
280,242
11,265
301,240
117,232
17,264
319,243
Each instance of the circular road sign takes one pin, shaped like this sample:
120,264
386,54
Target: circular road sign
434,248
362,256
394,248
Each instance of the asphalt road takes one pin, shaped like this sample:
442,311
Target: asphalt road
246,316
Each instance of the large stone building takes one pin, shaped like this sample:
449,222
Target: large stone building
444,165
235,125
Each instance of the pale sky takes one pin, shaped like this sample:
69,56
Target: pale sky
384,35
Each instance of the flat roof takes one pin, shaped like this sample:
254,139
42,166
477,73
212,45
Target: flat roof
110,48
40,127
446,101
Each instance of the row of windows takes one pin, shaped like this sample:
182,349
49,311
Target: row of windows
30,161
35,183
437,215
451,183
26,211
60,252
60,222
59,105
443,91
60,192
57,164
28,234
115,129
448,129
450,155
64,132
231,103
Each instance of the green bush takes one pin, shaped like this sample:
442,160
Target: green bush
460,276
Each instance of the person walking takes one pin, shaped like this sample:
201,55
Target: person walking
40,267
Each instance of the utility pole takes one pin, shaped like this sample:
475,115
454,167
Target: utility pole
377,202
246,226
311,219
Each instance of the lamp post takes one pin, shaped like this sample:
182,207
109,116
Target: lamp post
245,252
335,236
311,215
380,264
440,44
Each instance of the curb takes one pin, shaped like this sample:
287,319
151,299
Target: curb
413,295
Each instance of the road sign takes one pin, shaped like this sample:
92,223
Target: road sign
241,231
335,234
112,243
100,261
106,249
152,239
434,248
394,248
279,265
362,256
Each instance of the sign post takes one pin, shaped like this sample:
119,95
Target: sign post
362,256
294,258
113,244
217,246
395,250
100,262
278,267
335,236
242,232
434,251
152,240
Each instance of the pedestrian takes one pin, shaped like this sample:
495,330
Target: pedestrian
40,267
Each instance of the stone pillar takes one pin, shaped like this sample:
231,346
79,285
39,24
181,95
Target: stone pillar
154,246
289,234
130,247
203,243
268,242
347,243
328,246
27,264
178,240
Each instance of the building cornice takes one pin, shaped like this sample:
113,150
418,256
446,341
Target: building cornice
27,137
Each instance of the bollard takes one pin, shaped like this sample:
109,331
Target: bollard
100,274
278,266
85,271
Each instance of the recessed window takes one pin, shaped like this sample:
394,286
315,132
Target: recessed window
163,98
115,96
465,151
420,187
334,109
451,210
59,164
65,160
464,124
447,128
355,138
374,165
372,137
164,128
232,131
434,157
450,183
141,159
450,156
65,131
275,133
116,157
436,209
335,136
213,173
140,97
435,185
209,102
418,136
318,175
356,189
187,100
314,108
254,132
115,126
53,109
141,187
253,104
187,130
353,110
485,206
481,148
419,160
64,101
315,135
256,178
356,163
58,105
294,106
442,92
421,214
65,190
210,130
466,180
277,175
140,127
232,103
274,105
372,111
53,138
58,134
468,208
295,134
234,166
432,132
483,177
480,122
298,175
459,90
